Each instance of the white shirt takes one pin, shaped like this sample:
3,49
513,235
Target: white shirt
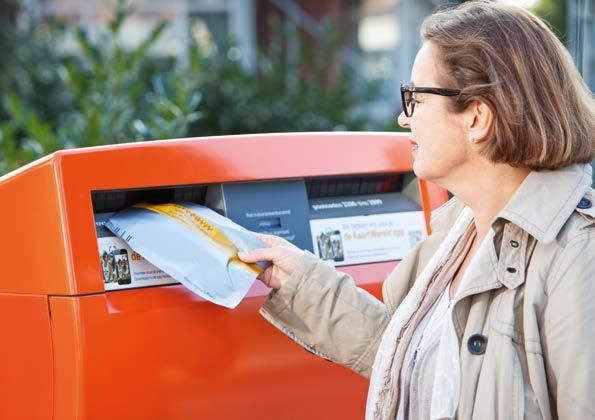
423,349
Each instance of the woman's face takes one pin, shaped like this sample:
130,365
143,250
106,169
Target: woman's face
440,141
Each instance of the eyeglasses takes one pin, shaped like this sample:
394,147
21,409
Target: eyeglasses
409,101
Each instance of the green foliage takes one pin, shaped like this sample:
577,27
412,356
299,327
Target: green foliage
29,68
119,95
109,93
105,94
303,87
30,76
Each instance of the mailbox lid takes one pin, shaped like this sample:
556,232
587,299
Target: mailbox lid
204,161
51,242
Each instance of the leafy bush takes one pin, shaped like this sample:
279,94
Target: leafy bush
109,94
106,94
306,91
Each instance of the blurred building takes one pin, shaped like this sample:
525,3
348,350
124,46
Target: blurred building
580,23
382,36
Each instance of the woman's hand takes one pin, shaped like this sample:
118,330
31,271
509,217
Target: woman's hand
284,258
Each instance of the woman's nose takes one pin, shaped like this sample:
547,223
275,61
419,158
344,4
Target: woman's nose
403,120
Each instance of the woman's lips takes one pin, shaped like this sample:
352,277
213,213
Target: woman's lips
413,145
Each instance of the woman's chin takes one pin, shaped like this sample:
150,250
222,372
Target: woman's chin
418,169
423,172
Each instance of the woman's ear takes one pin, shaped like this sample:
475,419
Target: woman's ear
481,118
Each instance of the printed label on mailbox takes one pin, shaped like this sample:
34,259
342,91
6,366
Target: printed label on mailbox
123,268
367,239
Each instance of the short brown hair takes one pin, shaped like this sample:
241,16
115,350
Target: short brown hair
544,114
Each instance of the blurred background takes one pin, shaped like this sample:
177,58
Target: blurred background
77,73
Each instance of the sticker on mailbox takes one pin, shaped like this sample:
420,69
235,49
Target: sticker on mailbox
123,268
367,239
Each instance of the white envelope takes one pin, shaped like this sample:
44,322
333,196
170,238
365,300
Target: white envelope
194,245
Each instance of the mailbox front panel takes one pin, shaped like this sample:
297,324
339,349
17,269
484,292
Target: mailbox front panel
27,376
163,353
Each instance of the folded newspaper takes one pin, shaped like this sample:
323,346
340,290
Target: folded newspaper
193,244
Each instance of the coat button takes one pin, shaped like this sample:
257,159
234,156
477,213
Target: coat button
477,344
511,269
584,204
514,243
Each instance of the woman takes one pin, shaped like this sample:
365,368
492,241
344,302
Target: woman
493,316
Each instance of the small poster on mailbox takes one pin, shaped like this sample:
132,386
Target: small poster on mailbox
365,229
365,239
123,268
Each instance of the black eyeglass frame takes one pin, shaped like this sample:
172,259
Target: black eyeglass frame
405,88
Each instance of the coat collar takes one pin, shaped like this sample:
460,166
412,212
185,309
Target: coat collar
539,208
546,199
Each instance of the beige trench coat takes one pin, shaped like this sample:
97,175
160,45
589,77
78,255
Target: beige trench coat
533,301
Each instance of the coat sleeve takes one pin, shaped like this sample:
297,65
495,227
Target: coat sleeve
325,312
568,330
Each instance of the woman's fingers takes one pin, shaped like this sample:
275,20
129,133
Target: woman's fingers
275,241
270,240
266,275
256,255
282,255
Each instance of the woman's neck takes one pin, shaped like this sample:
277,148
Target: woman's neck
486,188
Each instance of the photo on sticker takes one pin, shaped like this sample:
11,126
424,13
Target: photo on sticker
324,245
337,246
330,245
122,266
105,265
115,265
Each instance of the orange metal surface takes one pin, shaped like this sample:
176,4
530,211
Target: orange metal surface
161,352
26,379
33,227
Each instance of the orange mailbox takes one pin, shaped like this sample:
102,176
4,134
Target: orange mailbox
79,342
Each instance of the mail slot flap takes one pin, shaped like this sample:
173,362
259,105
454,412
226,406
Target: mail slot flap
332,186
114,200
